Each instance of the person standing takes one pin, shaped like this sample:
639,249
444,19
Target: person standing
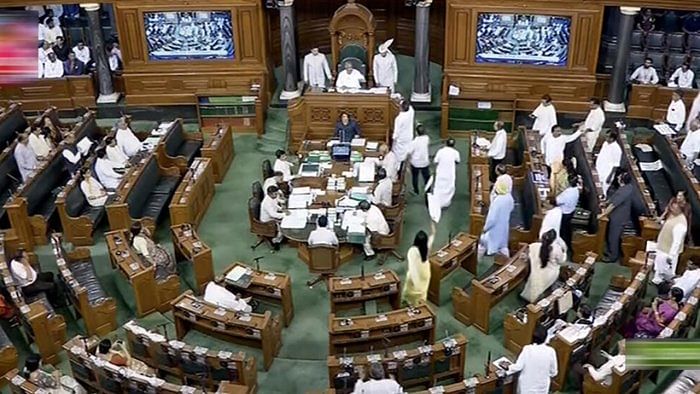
623,206
669,244
316,69
593,124
386,72
446,160
553,145
403,130
675,114
691,143
25,157
497,150
419,152
567,201
415,291
608,160
545,116
537,364
494,237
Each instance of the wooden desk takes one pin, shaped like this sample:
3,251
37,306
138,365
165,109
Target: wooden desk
151,293
194,194
460,251
218,146
188,246
651,101
314,115
518,331
173,137
257,330
267,286
71,92
493,382
480,197
362,333
475,308
515,150
442,361
353,292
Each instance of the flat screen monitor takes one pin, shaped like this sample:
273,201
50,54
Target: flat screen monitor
541,40
189,35
341,152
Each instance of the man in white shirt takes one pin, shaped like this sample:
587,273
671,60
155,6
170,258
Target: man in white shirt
689,280
82,53
38,144
604,372
350,78
419,152
316,69
275,180
115,153
25,157
669,244
537,364
382,194
105,171
52,31
271,211
126,140
545,116
389,162
53,68
503,177
593,124
675,114
31,282
386,72
92,189
215,293
322,235
377,383
553,145
446,160
645,74
567,200
403,131
608,160
282,165
691,143
375,223
682,78
497,149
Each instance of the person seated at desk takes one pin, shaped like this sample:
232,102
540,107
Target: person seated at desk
350,78
153,253
117,354
53,68
275,180
216,293
271,211
105,170
39,144
494,237
389,162
126,139
377,383
346,129
283,165
546,259
645,74
115,153
537,364
691,143
72,66
27,162
603,374
94,192
689,280
652,319
32,283
322,235
48,378
682,78
375,223
382,194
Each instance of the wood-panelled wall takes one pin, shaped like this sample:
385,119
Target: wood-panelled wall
394,20
179,82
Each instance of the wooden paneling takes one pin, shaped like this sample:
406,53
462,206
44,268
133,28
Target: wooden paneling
63,93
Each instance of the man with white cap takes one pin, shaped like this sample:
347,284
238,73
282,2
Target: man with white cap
386,72
316,69
350,78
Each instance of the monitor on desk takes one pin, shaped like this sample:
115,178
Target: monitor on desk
341,152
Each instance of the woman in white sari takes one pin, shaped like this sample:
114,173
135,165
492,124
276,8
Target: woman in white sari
546,258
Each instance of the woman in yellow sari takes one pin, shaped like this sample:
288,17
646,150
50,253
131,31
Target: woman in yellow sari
415,290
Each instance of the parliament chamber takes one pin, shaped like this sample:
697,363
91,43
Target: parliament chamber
350,196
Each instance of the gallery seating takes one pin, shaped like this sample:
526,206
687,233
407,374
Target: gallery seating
90,301
178,148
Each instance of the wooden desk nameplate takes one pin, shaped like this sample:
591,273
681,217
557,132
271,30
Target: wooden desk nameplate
459,252
188,246
351,292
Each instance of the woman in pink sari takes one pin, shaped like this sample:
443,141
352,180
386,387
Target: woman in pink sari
650,321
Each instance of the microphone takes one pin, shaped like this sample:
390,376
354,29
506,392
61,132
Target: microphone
362,270
488,362
165,330
449,237
386,342
257,262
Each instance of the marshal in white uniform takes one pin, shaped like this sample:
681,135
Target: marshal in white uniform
316,69
386,72
446,160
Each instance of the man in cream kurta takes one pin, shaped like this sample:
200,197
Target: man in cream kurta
682,78
553,145
39,144
608,159
446,160
691,143
675,114
375,223
593,124
25,157
382,194
386,72
349,78
669,244
403,131
218,295
545,116
316,69
126,139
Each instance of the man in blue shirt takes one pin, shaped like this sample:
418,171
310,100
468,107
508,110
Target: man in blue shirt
567,201
346,129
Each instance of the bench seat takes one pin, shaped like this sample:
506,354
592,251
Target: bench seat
84,273
517,216
658,182
41,297
606,302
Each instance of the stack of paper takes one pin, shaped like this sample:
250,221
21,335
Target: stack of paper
301,190
297,201
296,220
366,172
372,145
358,142
236,273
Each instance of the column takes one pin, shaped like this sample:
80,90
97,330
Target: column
99,56
618,80
421,79
289,51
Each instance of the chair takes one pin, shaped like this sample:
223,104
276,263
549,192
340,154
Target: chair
394,210
267,169
637,40
655,40
356,55
323,260
659,59
264,231
694,43
675,42
258,191
387,244
675,60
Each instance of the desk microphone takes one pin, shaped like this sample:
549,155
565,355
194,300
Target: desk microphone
386,342
165,330
362,270
488,362
449,237
257,262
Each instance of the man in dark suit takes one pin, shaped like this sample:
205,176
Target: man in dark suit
73,66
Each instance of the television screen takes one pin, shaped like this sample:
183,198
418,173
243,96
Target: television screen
541,40
189,35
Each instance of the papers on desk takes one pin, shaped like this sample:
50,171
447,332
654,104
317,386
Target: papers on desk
358,142
644,148
372,145
297,201
150,143
347,202
664,129
331,143
301,190
482,143
366,173
296,219
84,145
651,166
575,332
236,273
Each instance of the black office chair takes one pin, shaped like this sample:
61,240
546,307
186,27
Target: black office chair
267,169
655,40
637,40
257,190
694,43
675,42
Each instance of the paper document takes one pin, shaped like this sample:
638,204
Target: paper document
236,273
483,143
651,166
453,90
299,201
664,129
358,142
84,145
644,147
372,145
301,190
293,222
366,172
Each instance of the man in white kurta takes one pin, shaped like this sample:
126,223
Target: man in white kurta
126,140
691,143
383,191
386,72
553,145
105,171
39,144
645,74
669,244
604,373
316,69
271,211
689,280
545,116
694,110
390,163
92,189
322,235
403,131
675,114
377,383
115,153
497,149
82,53
349,78
608,159
25,157
682,78
218,295
446,160
375,223
537,364
53,68
282,165
593,124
